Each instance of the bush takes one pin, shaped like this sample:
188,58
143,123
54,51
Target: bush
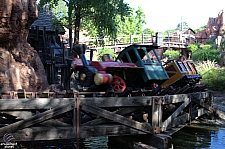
206,46
213,77
171,54
193,47
204,66
206,54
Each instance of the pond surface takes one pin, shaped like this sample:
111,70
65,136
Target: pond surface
199,137
190,137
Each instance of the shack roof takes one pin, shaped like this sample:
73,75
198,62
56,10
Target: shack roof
186,31
47,19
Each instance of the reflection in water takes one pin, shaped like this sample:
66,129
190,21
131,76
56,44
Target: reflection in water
190,137
199,137
95,143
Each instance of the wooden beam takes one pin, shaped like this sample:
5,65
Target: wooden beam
199,112
100,120
54,133
139,145
132,101
156,115
173,130
144,127
180,120
48,103
168,99
170,119
202,103
32,103
20,114
55,123
119,101
36,119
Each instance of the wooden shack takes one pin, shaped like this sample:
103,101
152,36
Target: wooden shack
44,37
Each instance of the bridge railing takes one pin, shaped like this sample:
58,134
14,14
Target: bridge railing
134,39
121,39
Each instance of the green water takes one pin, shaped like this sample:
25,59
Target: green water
190,137
199,137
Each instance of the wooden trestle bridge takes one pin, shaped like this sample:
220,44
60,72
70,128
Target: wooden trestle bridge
33,116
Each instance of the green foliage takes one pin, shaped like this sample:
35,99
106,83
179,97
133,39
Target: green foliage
171,54
132,24
222,45
140,20
213,77
61,12
103,16
170,31
183,24
148,31
200,29
210,41
103,51
204,66
205,46
206,54
193,47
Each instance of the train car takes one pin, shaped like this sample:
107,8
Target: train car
134,70
137,69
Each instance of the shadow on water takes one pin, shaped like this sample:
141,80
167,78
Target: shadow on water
87,143
199,137
190,137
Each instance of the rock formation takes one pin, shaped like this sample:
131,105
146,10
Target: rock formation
214,28
20,65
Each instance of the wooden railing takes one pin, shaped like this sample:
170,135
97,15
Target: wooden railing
125,40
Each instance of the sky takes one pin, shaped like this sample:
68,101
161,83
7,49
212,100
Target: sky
162,15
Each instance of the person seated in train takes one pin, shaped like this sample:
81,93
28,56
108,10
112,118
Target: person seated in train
107,58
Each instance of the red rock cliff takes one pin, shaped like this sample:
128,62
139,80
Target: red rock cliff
214,28
20,65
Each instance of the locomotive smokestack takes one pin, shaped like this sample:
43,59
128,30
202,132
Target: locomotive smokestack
79,49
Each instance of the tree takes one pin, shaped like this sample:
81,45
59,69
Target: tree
182,25
200,29
148,31
169,32
102,14
133,24
140,20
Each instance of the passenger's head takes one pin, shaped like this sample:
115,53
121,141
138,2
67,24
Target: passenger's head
107,57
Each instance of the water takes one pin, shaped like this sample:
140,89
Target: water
199,137
190,137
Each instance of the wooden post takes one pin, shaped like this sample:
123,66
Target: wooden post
52,67
130,39
142,38
157,115
21,93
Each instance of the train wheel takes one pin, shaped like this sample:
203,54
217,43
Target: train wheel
118,84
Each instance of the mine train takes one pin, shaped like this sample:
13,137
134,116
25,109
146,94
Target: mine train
136,70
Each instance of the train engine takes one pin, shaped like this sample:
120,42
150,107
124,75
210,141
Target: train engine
134,71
